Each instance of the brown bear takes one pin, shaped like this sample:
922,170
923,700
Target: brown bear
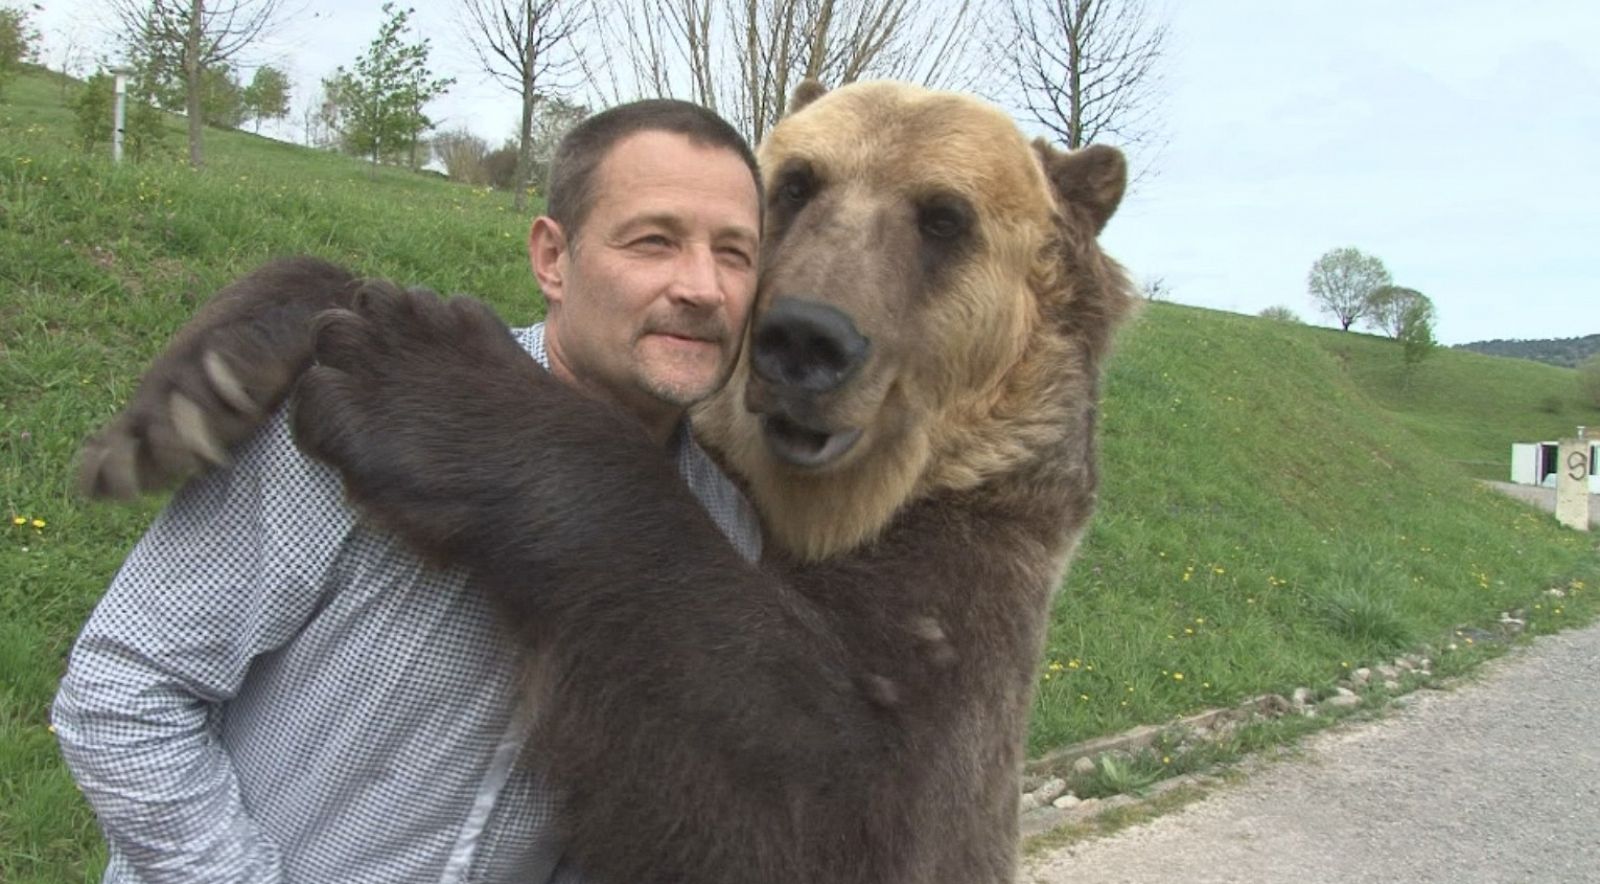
914,416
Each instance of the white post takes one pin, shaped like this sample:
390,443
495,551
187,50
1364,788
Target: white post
119,113
1572,483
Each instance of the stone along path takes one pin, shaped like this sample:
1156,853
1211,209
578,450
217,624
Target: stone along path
1497,780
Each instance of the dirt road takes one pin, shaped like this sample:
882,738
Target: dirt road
1495,781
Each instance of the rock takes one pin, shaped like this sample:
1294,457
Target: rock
1424,663
1556,593
1361,676
1030,801
1270,705
1343,699
1032,782
1391,686
1425,673
1388,673
1511,625
1052,789
1300,697
1066,801
1084,767
1404,664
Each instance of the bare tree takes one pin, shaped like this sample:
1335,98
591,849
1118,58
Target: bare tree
462,154
526,46
743,58
1086,70
195,36
1341,283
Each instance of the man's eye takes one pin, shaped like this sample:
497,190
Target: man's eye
738,256
654,239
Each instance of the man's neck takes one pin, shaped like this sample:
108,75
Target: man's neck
660,420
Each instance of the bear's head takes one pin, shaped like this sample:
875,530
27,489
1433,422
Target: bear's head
932,309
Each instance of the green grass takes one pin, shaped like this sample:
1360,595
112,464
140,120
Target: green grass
1279,503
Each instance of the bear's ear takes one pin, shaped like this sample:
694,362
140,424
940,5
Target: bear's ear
808,91
1091,179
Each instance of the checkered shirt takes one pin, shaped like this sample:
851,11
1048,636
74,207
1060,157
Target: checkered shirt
273,691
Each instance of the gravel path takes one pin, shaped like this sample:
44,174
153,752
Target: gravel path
1497,780
1543,498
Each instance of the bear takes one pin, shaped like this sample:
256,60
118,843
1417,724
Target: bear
913,414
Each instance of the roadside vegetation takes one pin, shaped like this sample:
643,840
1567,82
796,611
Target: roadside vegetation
1279,502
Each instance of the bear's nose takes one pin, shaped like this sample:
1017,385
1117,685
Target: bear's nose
806,345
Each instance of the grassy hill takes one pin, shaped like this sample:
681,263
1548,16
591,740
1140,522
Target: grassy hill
1280,502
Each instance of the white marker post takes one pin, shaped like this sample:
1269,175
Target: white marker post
119,112
1572,482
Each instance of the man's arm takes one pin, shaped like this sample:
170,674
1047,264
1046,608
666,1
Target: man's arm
203,593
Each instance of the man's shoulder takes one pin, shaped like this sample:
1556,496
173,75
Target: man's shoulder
722,497
531,337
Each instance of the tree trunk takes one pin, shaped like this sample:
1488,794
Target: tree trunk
191,75
524,171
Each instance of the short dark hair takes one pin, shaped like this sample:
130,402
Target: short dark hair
571,190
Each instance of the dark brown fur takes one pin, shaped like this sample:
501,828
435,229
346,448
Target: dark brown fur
851,711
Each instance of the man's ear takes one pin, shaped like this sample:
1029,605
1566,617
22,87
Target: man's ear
547,245
808,91
1090,180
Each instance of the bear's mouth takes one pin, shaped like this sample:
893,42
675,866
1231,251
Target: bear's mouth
802,446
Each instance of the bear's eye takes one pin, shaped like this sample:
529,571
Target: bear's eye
796,185
944,217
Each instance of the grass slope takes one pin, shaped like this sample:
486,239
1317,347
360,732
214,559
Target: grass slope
1278,502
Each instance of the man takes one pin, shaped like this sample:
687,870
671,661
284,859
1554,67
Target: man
272,690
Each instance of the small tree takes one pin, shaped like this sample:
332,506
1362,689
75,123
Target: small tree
1589,379
1280,314
267,96
1388,305
1416,332
17,41
553,118
381,100
1341,281
1155,288
177,42
143,128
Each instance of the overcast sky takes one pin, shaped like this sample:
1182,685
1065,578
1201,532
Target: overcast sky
1455,139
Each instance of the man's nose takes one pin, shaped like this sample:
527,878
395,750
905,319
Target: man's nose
696,282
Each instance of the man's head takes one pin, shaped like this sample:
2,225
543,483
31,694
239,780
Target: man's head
647,255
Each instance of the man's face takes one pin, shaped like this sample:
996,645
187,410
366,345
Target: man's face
649,303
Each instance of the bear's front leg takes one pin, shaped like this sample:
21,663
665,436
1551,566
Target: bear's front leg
447,432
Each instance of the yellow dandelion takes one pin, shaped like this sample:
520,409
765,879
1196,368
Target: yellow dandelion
1083,697
1073,663
1177,676
1166,759
38,523
18,520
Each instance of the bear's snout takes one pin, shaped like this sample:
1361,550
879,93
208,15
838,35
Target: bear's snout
806,345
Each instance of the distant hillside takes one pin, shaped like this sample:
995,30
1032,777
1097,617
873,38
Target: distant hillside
1567,352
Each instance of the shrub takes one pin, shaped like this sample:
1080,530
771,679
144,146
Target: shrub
1280,314
17,42
501,167
144,130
